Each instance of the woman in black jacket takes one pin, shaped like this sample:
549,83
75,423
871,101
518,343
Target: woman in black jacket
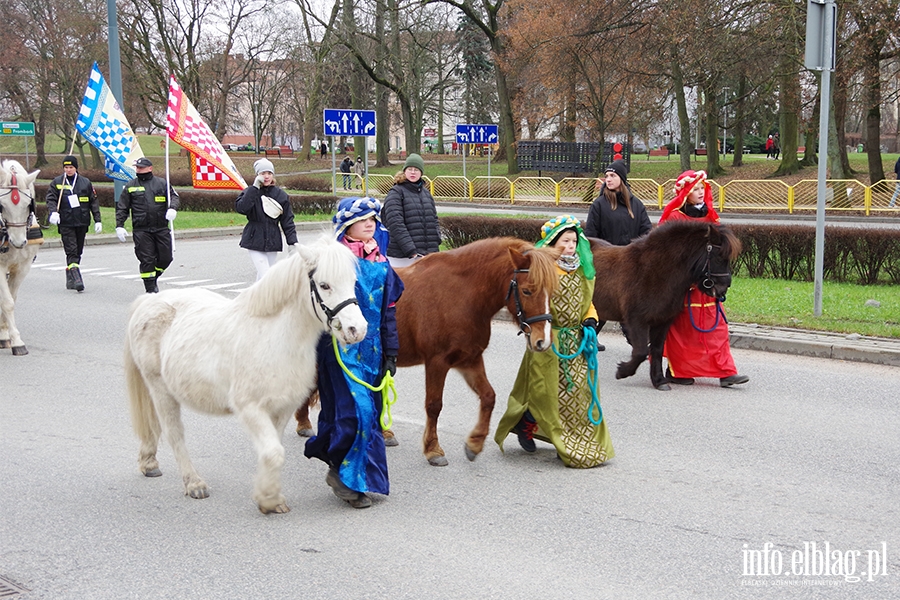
266,206
617,215
410,215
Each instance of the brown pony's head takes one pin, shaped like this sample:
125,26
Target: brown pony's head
534,280
712,270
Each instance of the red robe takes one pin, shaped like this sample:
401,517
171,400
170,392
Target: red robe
694,353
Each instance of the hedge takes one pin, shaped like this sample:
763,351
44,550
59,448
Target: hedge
864,256
206,201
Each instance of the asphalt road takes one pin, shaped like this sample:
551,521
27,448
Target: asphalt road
705,480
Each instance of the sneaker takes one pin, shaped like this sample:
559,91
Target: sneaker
361,501
525,431
733,380
340,490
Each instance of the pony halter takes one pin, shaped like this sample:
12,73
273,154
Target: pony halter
330,313
524,323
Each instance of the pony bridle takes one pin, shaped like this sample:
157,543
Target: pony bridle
524,323
330,313
14,195
707,282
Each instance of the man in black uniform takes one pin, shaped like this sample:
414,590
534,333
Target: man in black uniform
71,201
152,206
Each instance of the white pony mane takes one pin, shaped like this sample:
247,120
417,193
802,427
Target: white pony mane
288,279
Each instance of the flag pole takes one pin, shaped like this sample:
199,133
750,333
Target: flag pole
63,186
169,191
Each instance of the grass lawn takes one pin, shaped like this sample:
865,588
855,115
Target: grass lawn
790,304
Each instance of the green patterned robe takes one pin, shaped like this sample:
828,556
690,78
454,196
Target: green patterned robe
555,390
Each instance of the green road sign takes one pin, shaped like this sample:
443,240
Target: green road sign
17,129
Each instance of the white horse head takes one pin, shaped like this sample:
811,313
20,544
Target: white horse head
16,201
320,279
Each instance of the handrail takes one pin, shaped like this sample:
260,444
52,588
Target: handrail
737,194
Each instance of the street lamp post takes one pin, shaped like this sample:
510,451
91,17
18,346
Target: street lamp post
725,128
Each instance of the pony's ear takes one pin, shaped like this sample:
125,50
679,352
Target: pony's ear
519,259
29,180
306,255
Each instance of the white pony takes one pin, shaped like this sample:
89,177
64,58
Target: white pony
16,253
253,356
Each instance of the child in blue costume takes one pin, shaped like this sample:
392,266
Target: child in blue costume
349,436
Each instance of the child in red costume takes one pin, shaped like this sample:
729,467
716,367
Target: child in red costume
697,342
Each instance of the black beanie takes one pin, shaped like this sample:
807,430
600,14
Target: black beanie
618,167
70,160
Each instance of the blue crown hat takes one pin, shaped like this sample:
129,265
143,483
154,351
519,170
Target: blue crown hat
551,230
351,210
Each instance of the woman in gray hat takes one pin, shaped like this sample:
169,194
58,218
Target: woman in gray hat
266,207
410,215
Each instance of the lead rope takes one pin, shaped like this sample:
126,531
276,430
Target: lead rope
589,349
387,388
719,313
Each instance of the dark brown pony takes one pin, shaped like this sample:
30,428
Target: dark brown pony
643,285
444,321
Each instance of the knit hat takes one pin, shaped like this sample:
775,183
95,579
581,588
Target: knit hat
414,160
552,230
351,210
70,160
263,165
683,186
618,167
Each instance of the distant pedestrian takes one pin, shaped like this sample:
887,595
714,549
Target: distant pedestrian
770,147
152,205
776,147
360,169
71,201
346,166
323,148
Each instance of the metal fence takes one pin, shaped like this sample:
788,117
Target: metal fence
756,194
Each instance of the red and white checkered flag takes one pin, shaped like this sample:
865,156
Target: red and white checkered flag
211,167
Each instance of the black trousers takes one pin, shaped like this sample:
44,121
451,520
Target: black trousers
153,249
73,243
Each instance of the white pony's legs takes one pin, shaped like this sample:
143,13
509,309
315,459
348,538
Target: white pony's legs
262,261
266,432
169,411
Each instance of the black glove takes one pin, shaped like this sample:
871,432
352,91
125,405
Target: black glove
388,365
590,322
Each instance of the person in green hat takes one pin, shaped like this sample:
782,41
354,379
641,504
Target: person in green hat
556,398
410,215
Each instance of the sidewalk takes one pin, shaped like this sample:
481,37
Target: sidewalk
853,347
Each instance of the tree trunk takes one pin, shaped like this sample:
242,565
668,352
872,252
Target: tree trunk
812,131
872,97
685,147
382,96
713,167
738,160
789,103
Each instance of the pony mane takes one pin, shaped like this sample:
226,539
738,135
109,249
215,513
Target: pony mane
288,279
543,268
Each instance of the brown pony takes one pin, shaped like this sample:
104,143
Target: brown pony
643,285
444,321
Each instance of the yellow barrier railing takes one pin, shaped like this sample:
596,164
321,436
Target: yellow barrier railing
753,194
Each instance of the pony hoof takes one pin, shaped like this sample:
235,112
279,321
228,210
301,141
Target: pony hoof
438,461
153,473
306,432
470,454
19,350
199,493
275,510
391,441
4,343
665,387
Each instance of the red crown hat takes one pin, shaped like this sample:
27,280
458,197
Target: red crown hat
683,186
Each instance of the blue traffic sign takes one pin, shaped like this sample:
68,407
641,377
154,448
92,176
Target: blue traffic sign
340,121
476,134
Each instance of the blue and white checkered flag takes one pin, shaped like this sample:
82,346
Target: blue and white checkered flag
103,124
